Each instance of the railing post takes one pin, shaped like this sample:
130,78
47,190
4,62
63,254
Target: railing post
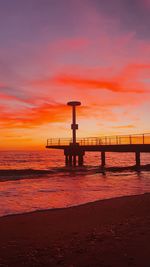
117,140
143,139
130,138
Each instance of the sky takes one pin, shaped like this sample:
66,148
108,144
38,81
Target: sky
55,51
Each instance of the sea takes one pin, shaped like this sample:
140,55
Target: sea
39,180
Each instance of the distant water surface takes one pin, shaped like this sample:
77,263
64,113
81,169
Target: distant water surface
43,182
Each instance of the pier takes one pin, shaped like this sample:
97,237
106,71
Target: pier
75,148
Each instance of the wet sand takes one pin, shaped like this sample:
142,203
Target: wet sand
105,233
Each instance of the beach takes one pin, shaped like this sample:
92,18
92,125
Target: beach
113,232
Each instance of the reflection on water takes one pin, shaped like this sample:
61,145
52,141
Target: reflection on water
24,192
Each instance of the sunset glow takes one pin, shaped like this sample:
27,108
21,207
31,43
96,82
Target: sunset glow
52,52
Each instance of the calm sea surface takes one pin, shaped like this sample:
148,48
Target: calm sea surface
43,182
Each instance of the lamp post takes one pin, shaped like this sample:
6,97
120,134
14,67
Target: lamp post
74,126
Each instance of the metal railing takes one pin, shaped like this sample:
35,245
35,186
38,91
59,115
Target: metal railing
104,140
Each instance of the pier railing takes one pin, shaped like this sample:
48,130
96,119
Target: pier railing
103,140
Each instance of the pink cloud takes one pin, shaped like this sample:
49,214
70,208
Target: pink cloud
128,80
145,3
87,83
35,116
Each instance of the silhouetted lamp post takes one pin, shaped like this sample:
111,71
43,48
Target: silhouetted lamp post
74,126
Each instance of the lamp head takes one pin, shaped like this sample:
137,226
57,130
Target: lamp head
74,103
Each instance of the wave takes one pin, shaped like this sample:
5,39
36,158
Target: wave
17,174
11,172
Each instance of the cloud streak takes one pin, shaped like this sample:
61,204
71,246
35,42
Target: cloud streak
129,80
129,126
36,116
100,84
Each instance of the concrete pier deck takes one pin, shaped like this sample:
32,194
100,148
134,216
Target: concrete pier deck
128,143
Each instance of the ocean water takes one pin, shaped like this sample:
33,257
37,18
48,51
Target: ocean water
36,180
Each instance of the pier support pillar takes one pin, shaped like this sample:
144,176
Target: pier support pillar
80,160
70,160
66,160
74,160
74,155
137,158
103,159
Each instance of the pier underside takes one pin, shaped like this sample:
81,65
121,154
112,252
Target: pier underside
107,148
74,154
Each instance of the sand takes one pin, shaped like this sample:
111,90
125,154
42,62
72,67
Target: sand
106,233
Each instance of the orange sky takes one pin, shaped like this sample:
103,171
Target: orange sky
89,51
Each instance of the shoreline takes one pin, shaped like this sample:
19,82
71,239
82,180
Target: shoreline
74,206
82,235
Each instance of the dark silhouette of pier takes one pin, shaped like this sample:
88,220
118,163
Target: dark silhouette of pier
75,148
